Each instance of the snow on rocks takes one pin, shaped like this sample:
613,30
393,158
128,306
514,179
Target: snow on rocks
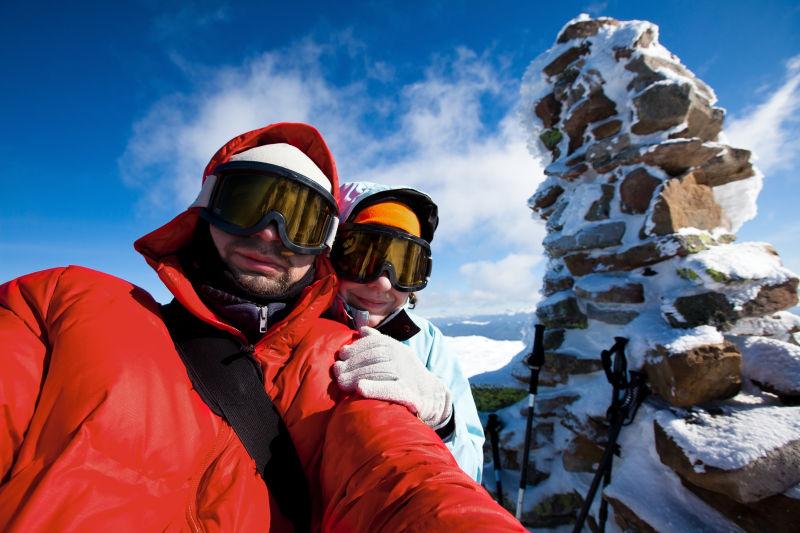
773,365
748,451
782,326
641,202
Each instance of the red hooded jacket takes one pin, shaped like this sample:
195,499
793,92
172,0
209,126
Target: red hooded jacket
101,429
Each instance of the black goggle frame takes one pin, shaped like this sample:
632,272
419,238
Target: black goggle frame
386,266
230,169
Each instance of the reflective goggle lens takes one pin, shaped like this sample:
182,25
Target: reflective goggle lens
362,255
242,198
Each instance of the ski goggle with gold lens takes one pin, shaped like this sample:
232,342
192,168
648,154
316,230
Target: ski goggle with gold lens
362,252
248,196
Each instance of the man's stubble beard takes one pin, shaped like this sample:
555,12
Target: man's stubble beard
260,284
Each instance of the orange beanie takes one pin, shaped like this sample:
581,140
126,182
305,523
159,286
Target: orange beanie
392,214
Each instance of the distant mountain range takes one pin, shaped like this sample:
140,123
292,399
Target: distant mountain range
506,327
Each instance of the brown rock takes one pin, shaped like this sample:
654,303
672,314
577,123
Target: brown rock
563,84
645,39
602,152
597,107
575,172
592,428
551,406
706,308
771,474
636,191
610,316
676,157
554,511
683,203
702,121
575,160
649,253
776,514
607,129
731,164
661,107
622,52
601,208
584,28
772,298
553,338
557,369
597,236
665,106
648,71
561,313
553,285
628,521
625,293
582,455
548,110
560,63
546,197
699,375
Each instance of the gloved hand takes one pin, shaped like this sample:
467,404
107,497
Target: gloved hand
379,367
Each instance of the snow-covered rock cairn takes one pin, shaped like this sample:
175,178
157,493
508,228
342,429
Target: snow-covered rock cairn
641,202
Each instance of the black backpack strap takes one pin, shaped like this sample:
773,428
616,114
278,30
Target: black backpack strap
228,379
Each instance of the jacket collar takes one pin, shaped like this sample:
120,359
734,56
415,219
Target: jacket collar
398,325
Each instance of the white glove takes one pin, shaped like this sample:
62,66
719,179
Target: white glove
379,367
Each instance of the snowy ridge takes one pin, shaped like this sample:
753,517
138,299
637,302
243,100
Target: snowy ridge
735,440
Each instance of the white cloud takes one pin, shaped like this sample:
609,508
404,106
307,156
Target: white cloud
172,144
772,129
510,278
433,133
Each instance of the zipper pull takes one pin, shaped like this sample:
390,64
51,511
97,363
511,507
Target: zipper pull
262,319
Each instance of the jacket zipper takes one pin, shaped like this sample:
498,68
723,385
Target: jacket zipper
262,319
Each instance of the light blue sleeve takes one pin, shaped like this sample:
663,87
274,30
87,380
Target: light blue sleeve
466,443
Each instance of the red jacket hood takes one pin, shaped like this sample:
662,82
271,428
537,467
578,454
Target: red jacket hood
160,247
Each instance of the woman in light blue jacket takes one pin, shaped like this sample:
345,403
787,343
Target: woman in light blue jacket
382,256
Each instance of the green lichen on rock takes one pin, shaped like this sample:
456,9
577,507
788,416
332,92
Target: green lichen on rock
489,399
707,239
557,510
559,504
550,138
716,275
697,243
687,273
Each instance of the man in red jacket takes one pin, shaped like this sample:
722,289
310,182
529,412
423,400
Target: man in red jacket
104,429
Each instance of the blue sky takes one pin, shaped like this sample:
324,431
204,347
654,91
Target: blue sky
110,112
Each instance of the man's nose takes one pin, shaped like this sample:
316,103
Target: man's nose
270,233
382,283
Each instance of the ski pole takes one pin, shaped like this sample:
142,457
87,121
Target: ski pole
493,429
535,362
616,373
616,419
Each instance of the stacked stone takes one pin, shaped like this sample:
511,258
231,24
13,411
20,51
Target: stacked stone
641,202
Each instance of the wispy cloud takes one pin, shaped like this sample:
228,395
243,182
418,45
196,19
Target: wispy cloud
771,129
595,8
433,133
189,18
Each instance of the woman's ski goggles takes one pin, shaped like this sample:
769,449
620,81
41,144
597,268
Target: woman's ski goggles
362,252
248,196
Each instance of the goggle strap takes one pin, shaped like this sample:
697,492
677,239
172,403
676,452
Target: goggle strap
204,198
332,233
